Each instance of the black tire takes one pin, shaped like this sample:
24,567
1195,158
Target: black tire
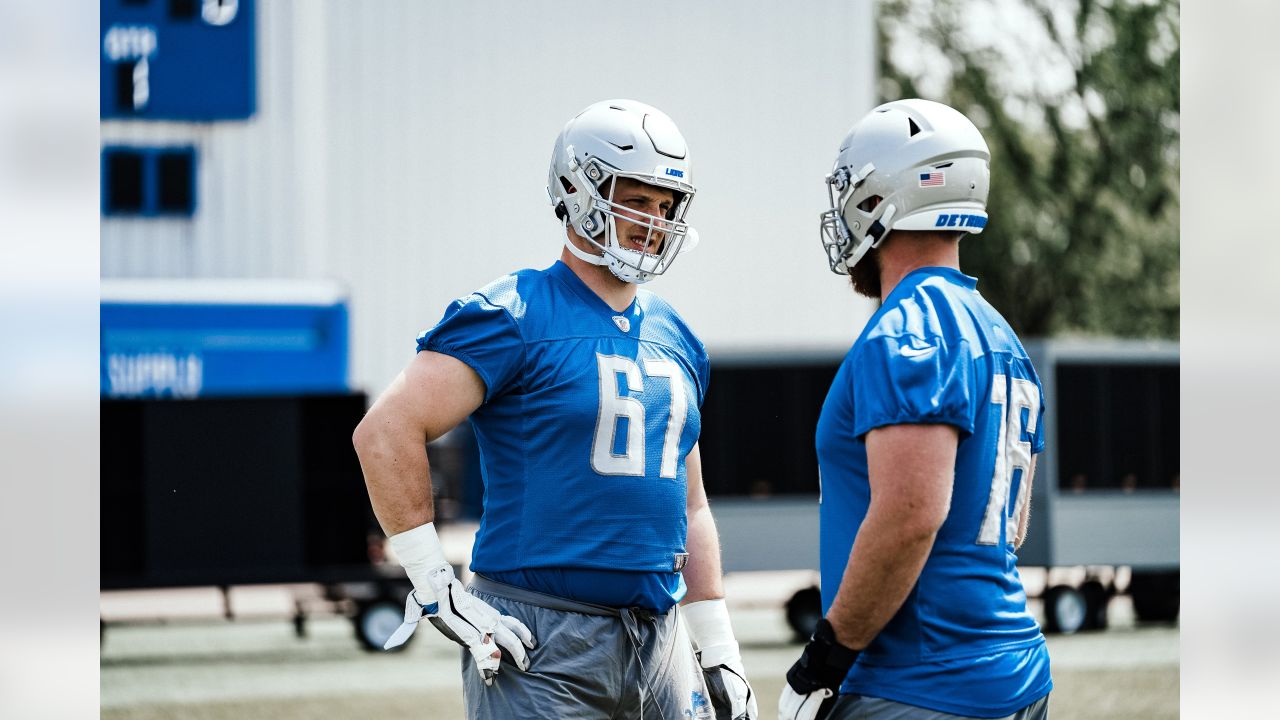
374,622
804,610
300,625
1065,610
1096,598
1155,595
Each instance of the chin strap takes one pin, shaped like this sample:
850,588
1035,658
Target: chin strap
882,226
583,255
578,252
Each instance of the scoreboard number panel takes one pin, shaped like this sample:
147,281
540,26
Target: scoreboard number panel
177,60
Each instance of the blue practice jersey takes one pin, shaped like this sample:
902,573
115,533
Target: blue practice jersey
587,418
937,352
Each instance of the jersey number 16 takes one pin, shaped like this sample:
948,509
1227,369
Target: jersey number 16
1012,454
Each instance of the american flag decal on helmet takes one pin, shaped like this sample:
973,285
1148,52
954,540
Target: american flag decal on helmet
933,179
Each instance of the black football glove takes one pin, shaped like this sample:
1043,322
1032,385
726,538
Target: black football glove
814,681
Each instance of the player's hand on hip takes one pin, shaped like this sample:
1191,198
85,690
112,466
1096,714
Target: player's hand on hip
813,682
438,596
721,660
727,684
468,621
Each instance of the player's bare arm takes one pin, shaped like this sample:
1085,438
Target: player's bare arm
702,573
1024,520
430,397
911,469
705,614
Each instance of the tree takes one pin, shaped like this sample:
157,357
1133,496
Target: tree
1079,103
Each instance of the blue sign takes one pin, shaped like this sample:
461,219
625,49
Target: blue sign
177,59
186,350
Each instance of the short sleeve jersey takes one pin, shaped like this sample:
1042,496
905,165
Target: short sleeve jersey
587,419
963,642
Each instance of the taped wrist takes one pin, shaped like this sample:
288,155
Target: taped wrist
420,553
711,632
824,663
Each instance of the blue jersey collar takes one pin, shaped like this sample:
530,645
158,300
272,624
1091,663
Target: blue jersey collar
915,277
566,275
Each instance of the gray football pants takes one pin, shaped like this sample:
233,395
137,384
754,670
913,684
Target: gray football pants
591,662
861,707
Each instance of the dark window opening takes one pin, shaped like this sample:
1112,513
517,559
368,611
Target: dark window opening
124,86
124,191
148,181
182,9
1117,427
175,177
758,423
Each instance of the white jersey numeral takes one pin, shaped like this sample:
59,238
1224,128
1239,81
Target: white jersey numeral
1012,454
675,421
616,371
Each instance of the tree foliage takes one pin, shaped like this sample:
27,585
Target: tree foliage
1079,103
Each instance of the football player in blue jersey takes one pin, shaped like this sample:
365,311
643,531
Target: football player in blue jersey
584,392
926,448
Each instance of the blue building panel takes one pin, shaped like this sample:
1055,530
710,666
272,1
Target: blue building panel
201,350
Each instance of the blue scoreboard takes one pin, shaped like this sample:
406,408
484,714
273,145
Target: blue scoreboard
177,59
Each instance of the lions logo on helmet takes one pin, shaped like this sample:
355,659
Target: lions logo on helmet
907,165
621,138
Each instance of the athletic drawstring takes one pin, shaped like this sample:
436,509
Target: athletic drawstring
630,623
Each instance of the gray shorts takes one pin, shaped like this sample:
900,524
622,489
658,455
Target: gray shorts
590,662
861,707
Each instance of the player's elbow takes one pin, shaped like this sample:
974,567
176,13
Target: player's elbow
917,519
369,434
922,527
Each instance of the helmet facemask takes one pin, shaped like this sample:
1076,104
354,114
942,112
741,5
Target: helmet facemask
856,221
599,214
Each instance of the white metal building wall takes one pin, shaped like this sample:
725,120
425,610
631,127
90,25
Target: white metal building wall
401,147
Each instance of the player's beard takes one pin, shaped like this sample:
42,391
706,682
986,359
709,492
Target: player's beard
865,275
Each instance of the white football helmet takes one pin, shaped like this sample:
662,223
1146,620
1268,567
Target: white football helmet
621,138
925,161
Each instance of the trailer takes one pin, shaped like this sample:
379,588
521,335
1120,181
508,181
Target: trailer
1105,501
226,457
1106,493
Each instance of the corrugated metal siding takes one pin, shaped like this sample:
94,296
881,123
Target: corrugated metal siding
401,147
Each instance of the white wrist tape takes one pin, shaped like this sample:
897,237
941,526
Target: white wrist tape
710,631
421,554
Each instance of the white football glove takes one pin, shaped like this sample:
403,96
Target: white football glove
721,660
460,616
814,680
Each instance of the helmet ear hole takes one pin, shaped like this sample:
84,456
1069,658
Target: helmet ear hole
870,203
568,186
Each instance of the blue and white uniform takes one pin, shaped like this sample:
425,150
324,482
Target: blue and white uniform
587,419
963,642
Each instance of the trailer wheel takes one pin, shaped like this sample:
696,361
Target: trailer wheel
1096,599
375,620
804,610
1065,610
1155,595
